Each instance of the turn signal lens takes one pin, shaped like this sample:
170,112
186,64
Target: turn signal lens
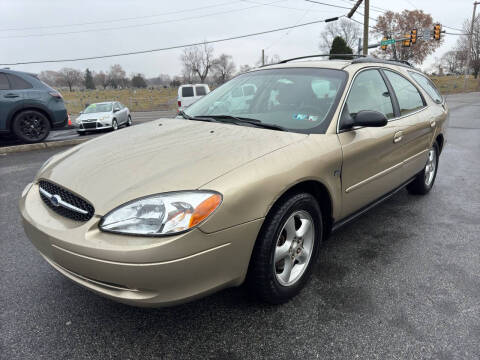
204,209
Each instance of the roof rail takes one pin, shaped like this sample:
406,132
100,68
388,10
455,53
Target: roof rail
382,61
321,55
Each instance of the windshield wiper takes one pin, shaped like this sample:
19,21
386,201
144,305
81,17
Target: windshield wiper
198,118
245,120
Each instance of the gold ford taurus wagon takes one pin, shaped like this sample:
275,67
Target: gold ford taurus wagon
242,186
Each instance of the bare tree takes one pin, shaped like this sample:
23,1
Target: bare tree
101,79
463,41
244,68
117,77
397,25
223,68
347,29
49,77
70,77
454,61
198,61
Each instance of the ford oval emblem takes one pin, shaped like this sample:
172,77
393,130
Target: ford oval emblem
55,200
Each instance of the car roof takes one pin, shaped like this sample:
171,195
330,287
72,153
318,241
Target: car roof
10,71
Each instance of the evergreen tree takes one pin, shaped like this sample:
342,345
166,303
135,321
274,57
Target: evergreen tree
339,46
89,83
138,81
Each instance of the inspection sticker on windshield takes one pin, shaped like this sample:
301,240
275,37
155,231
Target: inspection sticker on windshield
305,117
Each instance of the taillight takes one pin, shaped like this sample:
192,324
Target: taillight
179,103
55,94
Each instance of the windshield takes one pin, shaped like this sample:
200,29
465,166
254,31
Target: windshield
297,99
96,108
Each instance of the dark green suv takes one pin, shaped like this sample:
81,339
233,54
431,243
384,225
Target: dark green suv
29,108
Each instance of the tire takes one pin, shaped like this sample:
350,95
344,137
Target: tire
129,121
31,126
114,125
81,133
425,179
268,278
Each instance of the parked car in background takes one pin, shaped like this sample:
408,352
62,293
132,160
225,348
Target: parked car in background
188,94
102,116
219,195
29,108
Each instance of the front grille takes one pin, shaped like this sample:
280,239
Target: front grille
69,198
91,125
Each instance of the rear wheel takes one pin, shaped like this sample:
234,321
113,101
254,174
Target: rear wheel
424,180
31,126
286,249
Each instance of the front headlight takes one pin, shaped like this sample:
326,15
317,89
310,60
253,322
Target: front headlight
162,214
104,117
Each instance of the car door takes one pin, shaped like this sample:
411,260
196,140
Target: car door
118,113
8,99
416,126
371,160
123,111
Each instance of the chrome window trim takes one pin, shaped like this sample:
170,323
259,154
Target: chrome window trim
425,106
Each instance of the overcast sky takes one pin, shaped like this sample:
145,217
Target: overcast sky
162,23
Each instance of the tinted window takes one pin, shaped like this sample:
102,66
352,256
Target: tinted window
369,92
4,85
296,99
201,90
409,99
18,83
428,86
187,91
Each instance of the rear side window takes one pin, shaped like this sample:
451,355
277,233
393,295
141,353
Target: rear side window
18,83
408,96
4,85
369,92
428,86
201,90
187,91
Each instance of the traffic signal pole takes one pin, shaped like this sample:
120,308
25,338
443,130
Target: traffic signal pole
365,27
467,66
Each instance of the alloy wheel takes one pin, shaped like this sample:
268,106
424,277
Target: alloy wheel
431,166
294,248
33,126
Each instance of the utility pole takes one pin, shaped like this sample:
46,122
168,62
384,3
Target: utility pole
365,27
467,66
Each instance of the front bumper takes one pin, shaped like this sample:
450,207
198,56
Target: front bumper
92,126
139,271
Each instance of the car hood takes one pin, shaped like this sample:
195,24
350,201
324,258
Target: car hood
93,115
159,156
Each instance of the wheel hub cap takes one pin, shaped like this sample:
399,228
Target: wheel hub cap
430,167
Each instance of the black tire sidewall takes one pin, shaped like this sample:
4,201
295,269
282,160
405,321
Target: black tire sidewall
113,126
266,283
18,133
129,120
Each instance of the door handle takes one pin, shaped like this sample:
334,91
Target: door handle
432,124
398,137
9,96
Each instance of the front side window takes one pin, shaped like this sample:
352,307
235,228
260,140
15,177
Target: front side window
409,99
200,90
18,83
187,91
297,99
4,85
428,86
369,92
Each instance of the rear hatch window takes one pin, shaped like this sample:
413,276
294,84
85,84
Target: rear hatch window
200,90
187,91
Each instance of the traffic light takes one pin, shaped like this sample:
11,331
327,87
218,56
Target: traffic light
384,47
406,42
437,29
413,36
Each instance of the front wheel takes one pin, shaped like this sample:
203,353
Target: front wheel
114,125
424,180
129,121
286,249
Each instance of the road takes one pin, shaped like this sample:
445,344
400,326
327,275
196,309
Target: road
401,282
67,134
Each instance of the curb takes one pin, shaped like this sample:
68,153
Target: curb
40,146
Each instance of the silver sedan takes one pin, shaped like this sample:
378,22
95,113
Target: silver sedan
101,116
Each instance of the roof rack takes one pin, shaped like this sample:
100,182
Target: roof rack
382,61
320,55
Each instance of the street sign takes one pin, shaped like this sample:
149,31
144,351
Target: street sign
426,34
387,42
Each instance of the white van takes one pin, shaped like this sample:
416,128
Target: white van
188,94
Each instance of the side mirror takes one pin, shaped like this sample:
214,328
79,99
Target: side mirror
116,110
366,118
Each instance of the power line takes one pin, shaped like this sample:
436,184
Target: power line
322,3
118,20
170,47
280,6
135,26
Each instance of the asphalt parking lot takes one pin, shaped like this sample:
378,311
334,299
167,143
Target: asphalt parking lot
401,282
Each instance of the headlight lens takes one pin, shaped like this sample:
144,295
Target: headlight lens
104,117
162,214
